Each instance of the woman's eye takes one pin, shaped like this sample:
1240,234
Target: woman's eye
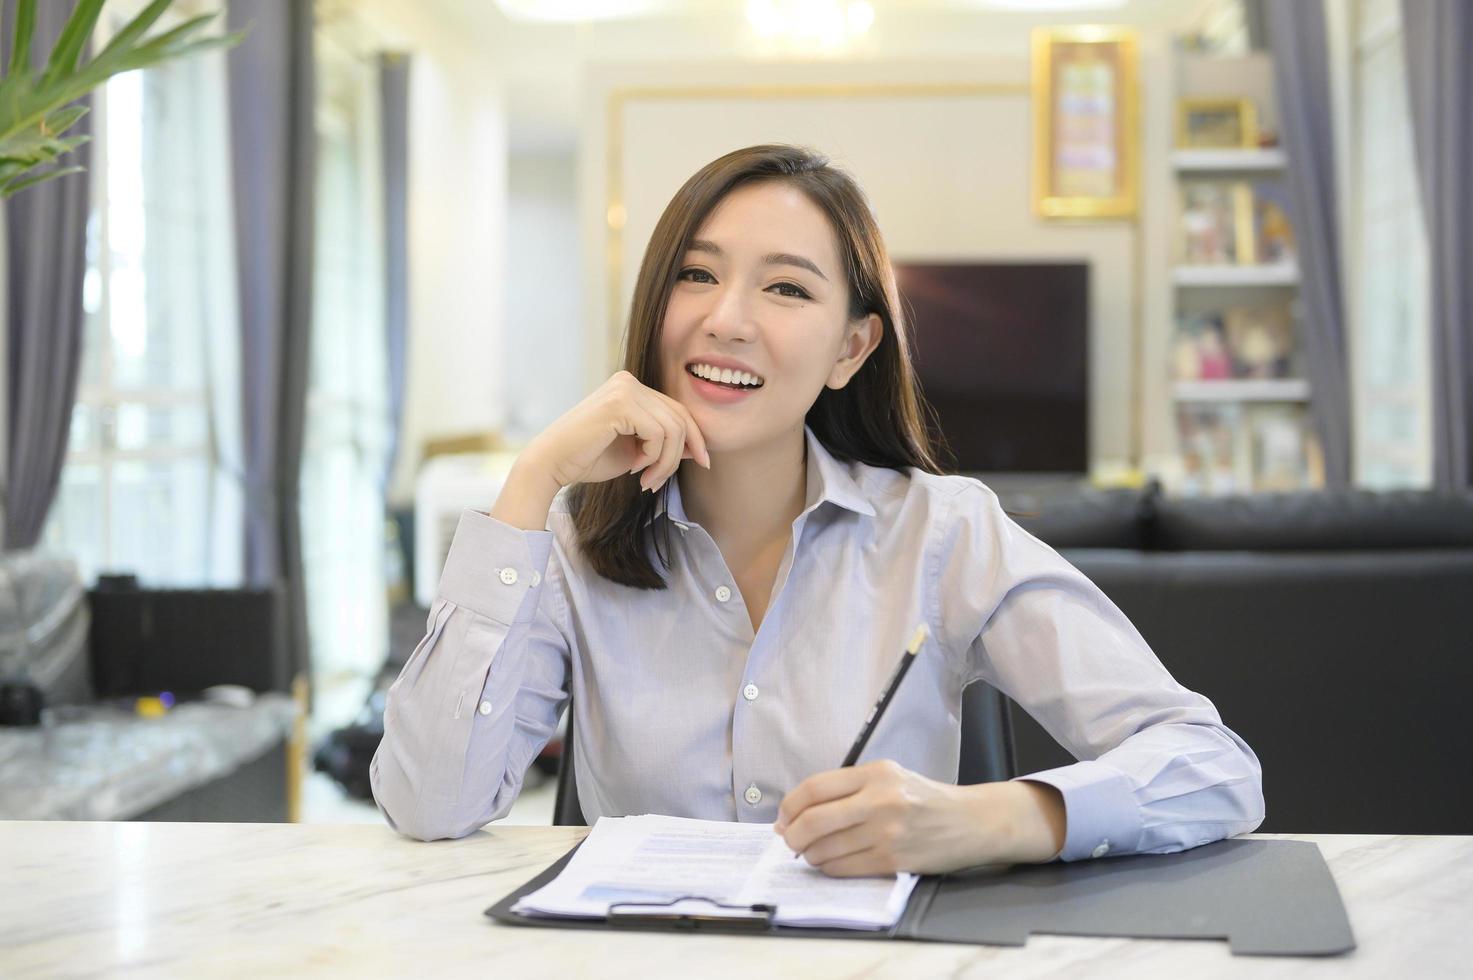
694,272
798,292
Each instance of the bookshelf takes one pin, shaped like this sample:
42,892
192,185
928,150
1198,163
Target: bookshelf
1237,383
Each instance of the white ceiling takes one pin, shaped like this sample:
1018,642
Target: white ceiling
543,63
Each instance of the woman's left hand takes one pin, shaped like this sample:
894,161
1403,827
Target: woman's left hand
879,818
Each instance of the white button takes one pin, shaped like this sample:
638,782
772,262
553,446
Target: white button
485,708
683,527
753,794
509,576
750,692
1102,849
536,578
722,593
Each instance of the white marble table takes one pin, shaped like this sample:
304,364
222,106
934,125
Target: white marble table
199,900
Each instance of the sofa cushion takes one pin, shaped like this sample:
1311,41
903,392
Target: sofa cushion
1341,520
1085,519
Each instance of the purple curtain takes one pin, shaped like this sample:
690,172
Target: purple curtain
272,149
1438,38
46,258
1296,36
393,70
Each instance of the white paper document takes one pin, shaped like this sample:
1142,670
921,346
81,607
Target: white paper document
654,859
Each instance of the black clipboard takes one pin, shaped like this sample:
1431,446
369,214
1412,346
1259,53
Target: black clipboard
1265,897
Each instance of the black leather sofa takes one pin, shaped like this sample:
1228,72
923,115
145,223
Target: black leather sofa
1333,631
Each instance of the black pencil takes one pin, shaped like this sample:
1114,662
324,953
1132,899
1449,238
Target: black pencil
918,638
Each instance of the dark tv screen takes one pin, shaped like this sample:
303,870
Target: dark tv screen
1001,351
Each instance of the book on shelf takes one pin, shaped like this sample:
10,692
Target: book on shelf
1235,343
1235,222
1232,448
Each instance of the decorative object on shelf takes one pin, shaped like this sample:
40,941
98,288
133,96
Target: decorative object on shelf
1214,214
1239,343
1279,446
1209,449
1260,340
1273,235
1086,122
1217,123
1235,222
1200,352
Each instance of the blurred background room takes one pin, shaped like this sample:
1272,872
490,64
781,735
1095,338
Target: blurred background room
1188,282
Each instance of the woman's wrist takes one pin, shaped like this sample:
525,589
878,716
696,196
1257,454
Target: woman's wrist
1019,821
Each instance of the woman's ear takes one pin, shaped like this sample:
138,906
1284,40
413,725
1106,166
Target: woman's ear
862,337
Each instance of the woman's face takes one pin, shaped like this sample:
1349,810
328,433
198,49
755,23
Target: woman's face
761,289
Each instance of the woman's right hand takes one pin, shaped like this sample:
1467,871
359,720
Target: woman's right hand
622,427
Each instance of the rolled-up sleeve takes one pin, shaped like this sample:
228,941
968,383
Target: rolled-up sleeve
1158,769
482,692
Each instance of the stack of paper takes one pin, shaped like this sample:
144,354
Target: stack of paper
655,859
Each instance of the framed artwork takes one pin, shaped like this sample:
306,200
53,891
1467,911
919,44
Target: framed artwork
1216,124
1086,122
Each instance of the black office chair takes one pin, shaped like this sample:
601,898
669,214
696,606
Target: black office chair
987,750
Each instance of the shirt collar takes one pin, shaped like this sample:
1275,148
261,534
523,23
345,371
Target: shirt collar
828,480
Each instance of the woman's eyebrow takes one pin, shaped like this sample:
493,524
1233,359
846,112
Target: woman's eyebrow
772,258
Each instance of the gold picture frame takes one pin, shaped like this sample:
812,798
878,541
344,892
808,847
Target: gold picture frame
1086,122
1216,124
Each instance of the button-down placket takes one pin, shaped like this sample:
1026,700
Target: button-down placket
756,783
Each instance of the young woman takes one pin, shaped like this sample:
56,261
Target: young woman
724,634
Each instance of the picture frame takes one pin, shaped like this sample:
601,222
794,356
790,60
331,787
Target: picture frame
1086,122
1216,124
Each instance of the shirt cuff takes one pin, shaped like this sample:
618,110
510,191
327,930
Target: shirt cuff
495,569
1101,814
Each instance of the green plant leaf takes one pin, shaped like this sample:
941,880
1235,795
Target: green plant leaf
20,184
73,39
25,28
37,107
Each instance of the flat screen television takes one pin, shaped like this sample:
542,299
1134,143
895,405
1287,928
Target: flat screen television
1001,351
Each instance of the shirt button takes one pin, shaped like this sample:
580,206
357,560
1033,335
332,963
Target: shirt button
722,593
1101,849
536,577
509,576
753,795
750,692
485,708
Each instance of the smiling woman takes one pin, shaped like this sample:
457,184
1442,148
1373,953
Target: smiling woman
802,530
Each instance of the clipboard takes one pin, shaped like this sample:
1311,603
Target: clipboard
1265,897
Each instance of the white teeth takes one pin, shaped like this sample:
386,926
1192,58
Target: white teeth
725,375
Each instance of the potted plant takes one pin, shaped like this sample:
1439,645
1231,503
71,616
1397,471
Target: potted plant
37,106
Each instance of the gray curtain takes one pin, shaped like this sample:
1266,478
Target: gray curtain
393,70
46,258
1296,36
272,149
1438,35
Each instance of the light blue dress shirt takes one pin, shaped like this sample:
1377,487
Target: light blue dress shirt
682,710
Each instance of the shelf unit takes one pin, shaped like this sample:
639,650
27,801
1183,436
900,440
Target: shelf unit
1278,274
1232,434
1242,390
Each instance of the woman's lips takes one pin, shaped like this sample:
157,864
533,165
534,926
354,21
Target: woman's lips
719,394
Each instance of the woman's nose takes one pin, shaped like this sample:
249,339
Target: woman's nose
731,316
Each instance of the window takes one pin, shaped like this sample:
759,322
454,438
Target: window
348,425
144,488
1389,290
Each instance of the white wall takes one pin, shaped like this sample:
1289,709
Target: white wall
457,217
543,345
948,176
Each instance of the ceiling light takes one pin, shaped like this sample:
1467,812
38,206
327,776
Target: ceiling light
567,11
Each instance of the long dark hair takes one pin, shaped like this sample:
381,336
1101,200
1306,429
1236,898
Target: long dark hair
877,418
